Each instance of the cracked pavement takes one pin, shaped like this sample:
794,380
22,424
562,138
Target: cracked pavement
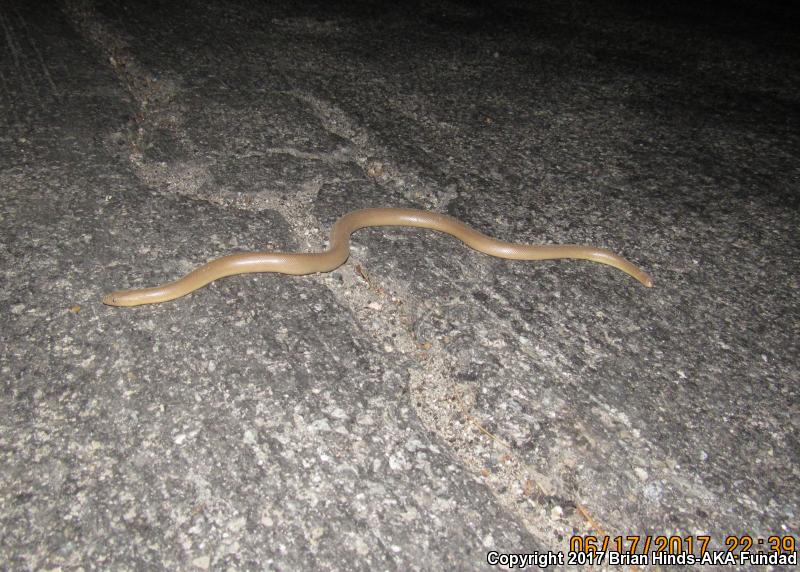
424,403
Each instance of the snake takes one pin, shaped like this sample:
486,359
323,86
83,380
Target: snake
300,263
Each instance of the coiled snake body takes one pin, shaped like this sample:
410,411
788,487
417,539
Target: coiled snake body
339,250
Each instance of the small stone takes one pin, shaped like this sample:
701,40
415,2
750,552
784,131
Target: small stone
362,548
237,524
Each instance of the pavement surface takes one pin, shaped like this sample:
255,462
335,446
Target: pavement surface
424,404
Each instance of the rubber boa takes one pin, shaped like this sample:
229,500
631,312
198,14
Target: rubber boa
339,250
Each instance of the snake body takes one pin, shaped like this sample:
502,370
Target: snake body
339,250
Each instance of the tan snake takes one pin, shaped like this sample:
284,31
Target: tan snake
339,250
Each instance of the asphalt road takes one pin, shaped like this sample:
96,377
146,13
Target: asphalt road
424,404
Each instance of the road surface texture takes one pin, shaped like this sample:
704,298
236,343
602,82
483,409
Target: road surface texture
424,404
